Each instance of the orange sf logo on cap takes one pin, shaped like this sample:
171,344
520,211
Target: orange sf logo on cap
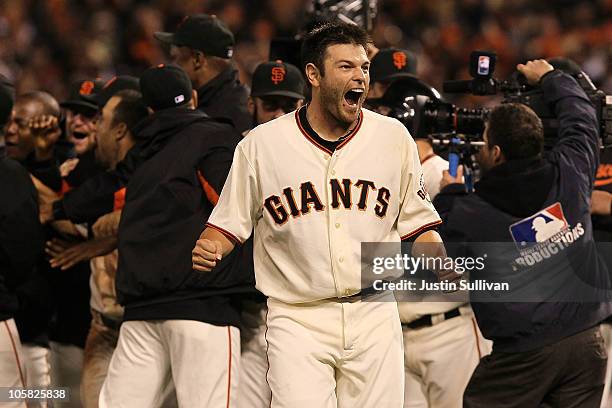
86,88
278,75
399,59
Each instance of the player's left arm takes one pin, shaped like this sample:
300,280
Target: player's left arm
417,214
418,218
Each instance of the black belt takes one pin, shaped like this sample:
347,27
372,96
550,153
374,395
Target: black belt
361,295
427,320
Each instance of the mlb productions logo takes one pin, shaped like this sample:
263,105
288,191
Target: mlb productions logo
540,227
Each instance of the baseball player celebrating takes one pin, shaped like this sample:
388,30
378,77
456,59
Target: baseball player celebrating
314,185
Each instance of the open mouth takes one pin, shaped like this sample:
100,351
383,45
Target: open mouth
353,96
79,135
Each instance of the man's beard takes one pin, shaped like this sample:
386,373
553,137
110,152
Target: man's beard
329,101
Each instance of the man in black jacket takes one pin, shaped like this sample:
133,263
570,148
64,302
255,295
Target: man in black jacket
548,352
178,323
203,47
21,245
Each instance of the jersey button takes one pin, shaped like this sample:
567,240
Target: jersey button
341,259
333,172
337,225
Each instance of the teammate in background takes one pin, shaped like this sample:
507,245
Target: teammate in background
114,139
545,353
203,47
7,99
99,195
393,77
36,295
21,246
304,183
437,335
277,89
180,328
80,113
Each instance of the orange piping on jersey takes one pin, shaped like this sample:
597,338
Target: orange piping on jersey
429,156
604,182
65,188
297,119
421,229
229,371
210,192
267,357
353,132
227,234
8,331
119,199
313,141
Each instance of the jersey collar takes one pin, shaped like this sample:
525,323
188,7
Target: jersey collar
313,137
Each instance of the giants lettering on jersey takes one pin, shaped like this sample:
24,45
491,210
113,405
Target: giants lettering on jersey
343,194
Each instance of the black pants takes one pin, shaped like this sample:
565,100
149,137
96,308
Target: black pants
569,373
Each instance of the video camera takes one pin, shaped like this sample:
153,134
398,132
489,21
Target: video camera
437,117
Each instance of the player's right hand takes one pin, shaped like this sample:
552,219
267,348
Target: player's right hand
206,254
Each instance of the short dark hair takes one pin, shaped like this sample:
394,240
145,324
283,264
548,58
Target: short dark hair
47,102
517,130
317,41
130,109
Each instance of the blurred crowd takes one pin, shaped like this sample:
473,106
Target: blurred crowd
46,44
95,109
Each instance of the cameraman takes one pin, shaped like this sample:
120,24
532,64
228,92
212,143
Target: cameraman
543,353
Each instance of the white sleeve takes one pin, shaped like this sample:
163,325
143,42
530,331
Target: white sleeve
417,213
237,208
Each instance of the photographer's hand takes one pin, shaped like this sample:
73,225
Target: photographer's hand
448,179
534,70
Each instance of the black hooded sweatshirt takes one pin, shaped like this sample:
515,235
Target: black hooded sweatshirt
517,190
224,97
169,198
21,235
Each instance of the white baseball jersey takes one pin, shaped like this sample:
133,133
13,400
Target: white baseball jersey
432,172
311,208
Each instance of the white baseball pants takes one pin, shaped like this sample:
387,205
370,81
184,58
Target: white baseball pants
200,359
12,367
440,360
254,391
330,354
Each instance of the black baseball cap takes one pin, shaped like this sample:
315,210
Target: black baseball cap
81,97
277,79
111,87
7,98
201,32
165,86
392,63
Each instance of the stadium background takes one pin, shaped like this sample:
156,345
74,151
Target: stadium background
45,44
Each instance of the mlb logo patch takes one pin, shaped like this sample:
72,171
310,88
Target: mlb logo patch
539,227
